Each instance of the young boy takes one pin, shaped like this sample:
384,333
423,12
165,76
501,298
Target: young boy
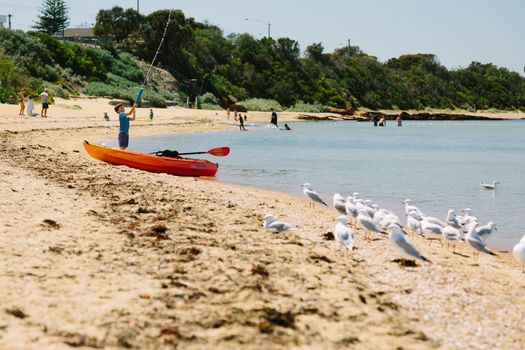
30,107
124,118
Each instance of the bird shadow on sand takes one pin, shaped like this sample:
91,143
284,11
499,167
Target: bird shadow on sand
461,255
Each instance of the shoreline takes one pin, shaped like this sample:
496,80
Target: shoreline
106,256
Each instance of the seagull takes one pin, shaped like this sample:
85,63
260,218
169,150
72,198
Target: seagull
389,219
519,252
432,230
485,231
350,207
409,207
344,234
414,223
476,242
401,244
489,186
366,223
312,195
434,221
339,203
467,219
452,219
451,234
272,225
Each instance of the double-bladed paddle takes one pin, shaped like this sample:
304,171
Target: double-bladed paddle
217,152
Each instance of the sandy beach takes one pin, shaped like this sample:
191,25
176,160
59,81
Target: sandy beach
98,256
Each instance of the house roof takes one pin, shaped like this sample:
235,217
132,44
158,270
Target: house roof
79,33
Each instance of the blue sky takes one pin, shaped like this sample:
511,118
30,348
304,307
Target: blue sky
457,31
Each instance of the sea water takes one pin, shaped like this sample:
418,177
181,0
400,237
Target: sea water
437,164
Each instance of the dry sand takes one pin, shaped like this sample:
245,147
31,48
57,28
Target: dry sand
97,256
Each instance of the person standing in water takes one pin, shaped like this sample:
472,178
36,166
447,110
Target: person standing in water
375,119
241,124
151,114
399,119
124,118
273,120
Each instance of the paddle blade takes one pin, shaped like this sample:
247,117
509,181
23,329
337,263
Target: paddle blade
219,151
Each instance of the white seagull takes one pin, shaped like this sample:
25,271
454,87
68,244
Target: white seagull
489,186
409,207
414,223
519,252
476,242
312,195
350,207
451,234
452,219
344,234
485,231
401,244
272,225
367,224
339,203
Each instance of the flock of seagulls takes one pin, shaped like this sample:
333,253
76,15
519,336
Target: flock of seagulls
380,223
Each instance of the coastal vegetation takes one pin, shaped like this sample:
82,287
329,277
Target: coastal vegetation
238,68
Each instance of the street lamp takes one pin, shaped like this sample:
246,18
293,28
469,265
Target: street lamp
262,21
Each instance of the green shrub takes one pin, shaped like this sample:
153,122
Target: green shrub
301,106
262,105
125,92
54,90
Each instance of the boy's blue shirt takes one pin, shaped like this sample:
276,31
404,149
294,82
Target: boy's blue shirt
124,122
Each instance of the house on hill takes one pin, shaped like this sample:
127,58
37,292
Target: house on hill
81,35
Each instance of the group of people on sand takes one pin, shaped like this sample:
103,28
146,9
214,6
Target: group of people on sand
28,109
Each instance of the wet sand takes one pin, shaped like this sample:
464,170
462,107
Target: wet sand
98,256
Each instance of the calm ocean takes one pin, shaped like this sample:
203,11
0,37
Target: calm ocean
437,164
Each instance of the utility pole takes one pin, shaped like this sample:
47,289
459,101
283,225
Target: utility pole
9,16
269,34
138,6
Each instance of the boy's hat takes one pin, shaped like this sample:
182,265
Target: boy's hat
117,107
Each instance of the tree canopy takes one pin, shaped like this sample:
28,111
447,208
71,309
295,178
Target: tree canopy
53,17
239,66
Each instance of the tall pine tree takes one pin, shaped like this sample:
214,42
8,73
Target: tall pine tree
53,17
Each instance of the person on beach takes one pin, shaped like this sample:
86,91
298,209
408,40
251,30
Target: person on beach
273,119
228,113
21,98
30,107
399,120
382,121
241,124
106,116
124,118
44,96
151,114
287,128
10,100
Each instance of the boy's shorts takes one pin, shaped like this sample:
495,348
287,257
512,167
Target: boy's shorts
123,139
45,105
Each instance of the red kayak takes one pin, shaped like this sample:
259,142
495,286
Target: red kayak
152,163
